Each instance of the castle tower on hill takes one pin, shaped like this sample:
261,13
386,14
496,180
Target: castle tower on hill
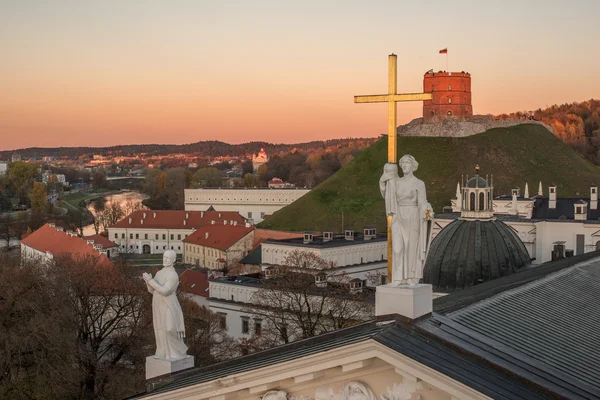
451,96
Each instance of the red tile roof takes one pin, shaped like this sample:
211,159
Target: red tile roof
260,235
218,236
99,239
177,219
194,282
57,242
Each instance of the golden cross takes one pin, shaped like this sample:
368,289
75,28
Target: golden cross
392,98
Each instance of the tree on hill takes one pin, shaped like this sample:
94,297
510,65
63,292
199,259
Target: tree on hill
208,177
21,176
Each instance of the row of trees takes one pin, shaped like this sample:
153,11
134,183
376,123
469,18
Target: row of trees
577,124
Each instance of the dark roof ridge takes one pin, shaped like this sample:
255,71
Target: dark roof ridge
465,297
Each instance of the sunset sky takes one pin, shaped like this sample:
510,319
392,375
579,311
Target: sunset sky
98,73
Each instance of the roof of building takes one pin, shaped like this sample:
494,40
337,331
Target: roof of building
337,241
194,282
218,236
477,181
56,241
101,240
176,219
565,208
254,257
531,335
468,252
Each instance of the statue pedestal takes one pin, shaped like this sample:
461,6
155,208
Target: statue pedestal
411,301
156,366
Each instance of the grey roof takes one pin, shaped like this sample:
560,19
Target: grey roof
565,209
254,257
477,181
468,252
554,321
338,241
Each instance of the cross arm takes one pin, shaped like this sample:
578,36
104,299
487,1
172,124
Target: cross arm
383,98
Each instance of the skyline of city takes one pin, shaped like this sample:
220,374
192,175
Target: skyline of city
108,74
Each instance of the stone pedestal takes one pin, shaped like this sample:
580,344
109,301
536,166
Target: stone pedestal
156,366
411,301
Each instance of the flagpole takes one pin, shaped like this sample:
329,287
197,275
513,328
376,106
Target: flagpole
447,70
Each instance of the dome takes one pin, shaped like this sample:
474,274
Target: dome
468,252
477,181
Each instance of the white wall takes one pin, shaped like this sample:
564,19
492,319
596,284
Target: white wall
249,203
362,251
157,246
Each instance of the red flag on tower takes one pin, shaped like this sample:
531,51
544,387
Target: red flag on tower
444,51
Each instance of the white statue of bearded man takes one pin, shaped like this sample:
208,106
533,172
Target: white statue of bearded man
167,317
406,202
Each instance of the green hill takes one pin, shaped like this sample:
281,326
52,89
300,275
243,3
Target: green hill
514,155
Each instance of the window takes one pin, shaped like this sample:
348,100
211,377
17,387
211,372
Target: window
232,299
145,236
222,320
449,87
116,235
449,100
249,215
178,247
172,236
245,325
178,237
131,236
137,235
164,236
156,247
257,326
122,236
262,215
156,236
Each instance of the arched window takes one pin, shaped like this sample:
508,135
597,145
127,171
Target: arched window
472,201
449,100
449,87
481,201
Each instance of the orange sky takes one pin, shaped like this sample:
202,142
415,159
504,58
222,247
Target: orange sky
73,73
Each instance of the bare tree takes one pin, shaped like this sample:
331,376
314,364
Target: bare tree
293,306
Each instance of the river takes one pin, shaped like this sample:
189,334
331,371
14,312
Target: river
121,198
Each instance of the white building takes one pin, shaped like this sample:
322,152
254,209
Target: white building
549,226
253,204
154,231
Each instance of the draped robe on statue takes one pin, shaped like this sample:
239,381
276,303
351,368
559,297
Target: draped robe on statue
406,203
167,317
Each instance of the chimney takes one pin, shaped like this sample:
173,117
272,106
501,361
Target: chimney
52,225
205,235
327,236
593,197
308,237
349,234
552,197
144,215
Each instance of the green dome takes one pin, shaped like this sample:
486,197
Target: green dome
477,181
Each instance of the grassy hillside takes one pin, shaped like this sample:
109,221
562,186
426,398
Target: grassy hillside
514,155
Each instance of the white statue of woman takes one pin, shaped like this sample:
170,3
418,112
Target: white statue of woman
167,317
406,202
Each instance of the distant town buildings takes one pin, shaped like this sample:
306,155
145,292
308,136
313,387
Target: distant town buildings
253,204
154,231
260,159
277,183
48,177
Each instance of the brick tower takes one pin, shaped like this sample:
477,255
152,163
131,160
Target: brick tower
451,96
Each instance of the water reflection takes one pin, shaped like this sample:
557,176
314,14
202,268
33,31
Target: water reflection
123,199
